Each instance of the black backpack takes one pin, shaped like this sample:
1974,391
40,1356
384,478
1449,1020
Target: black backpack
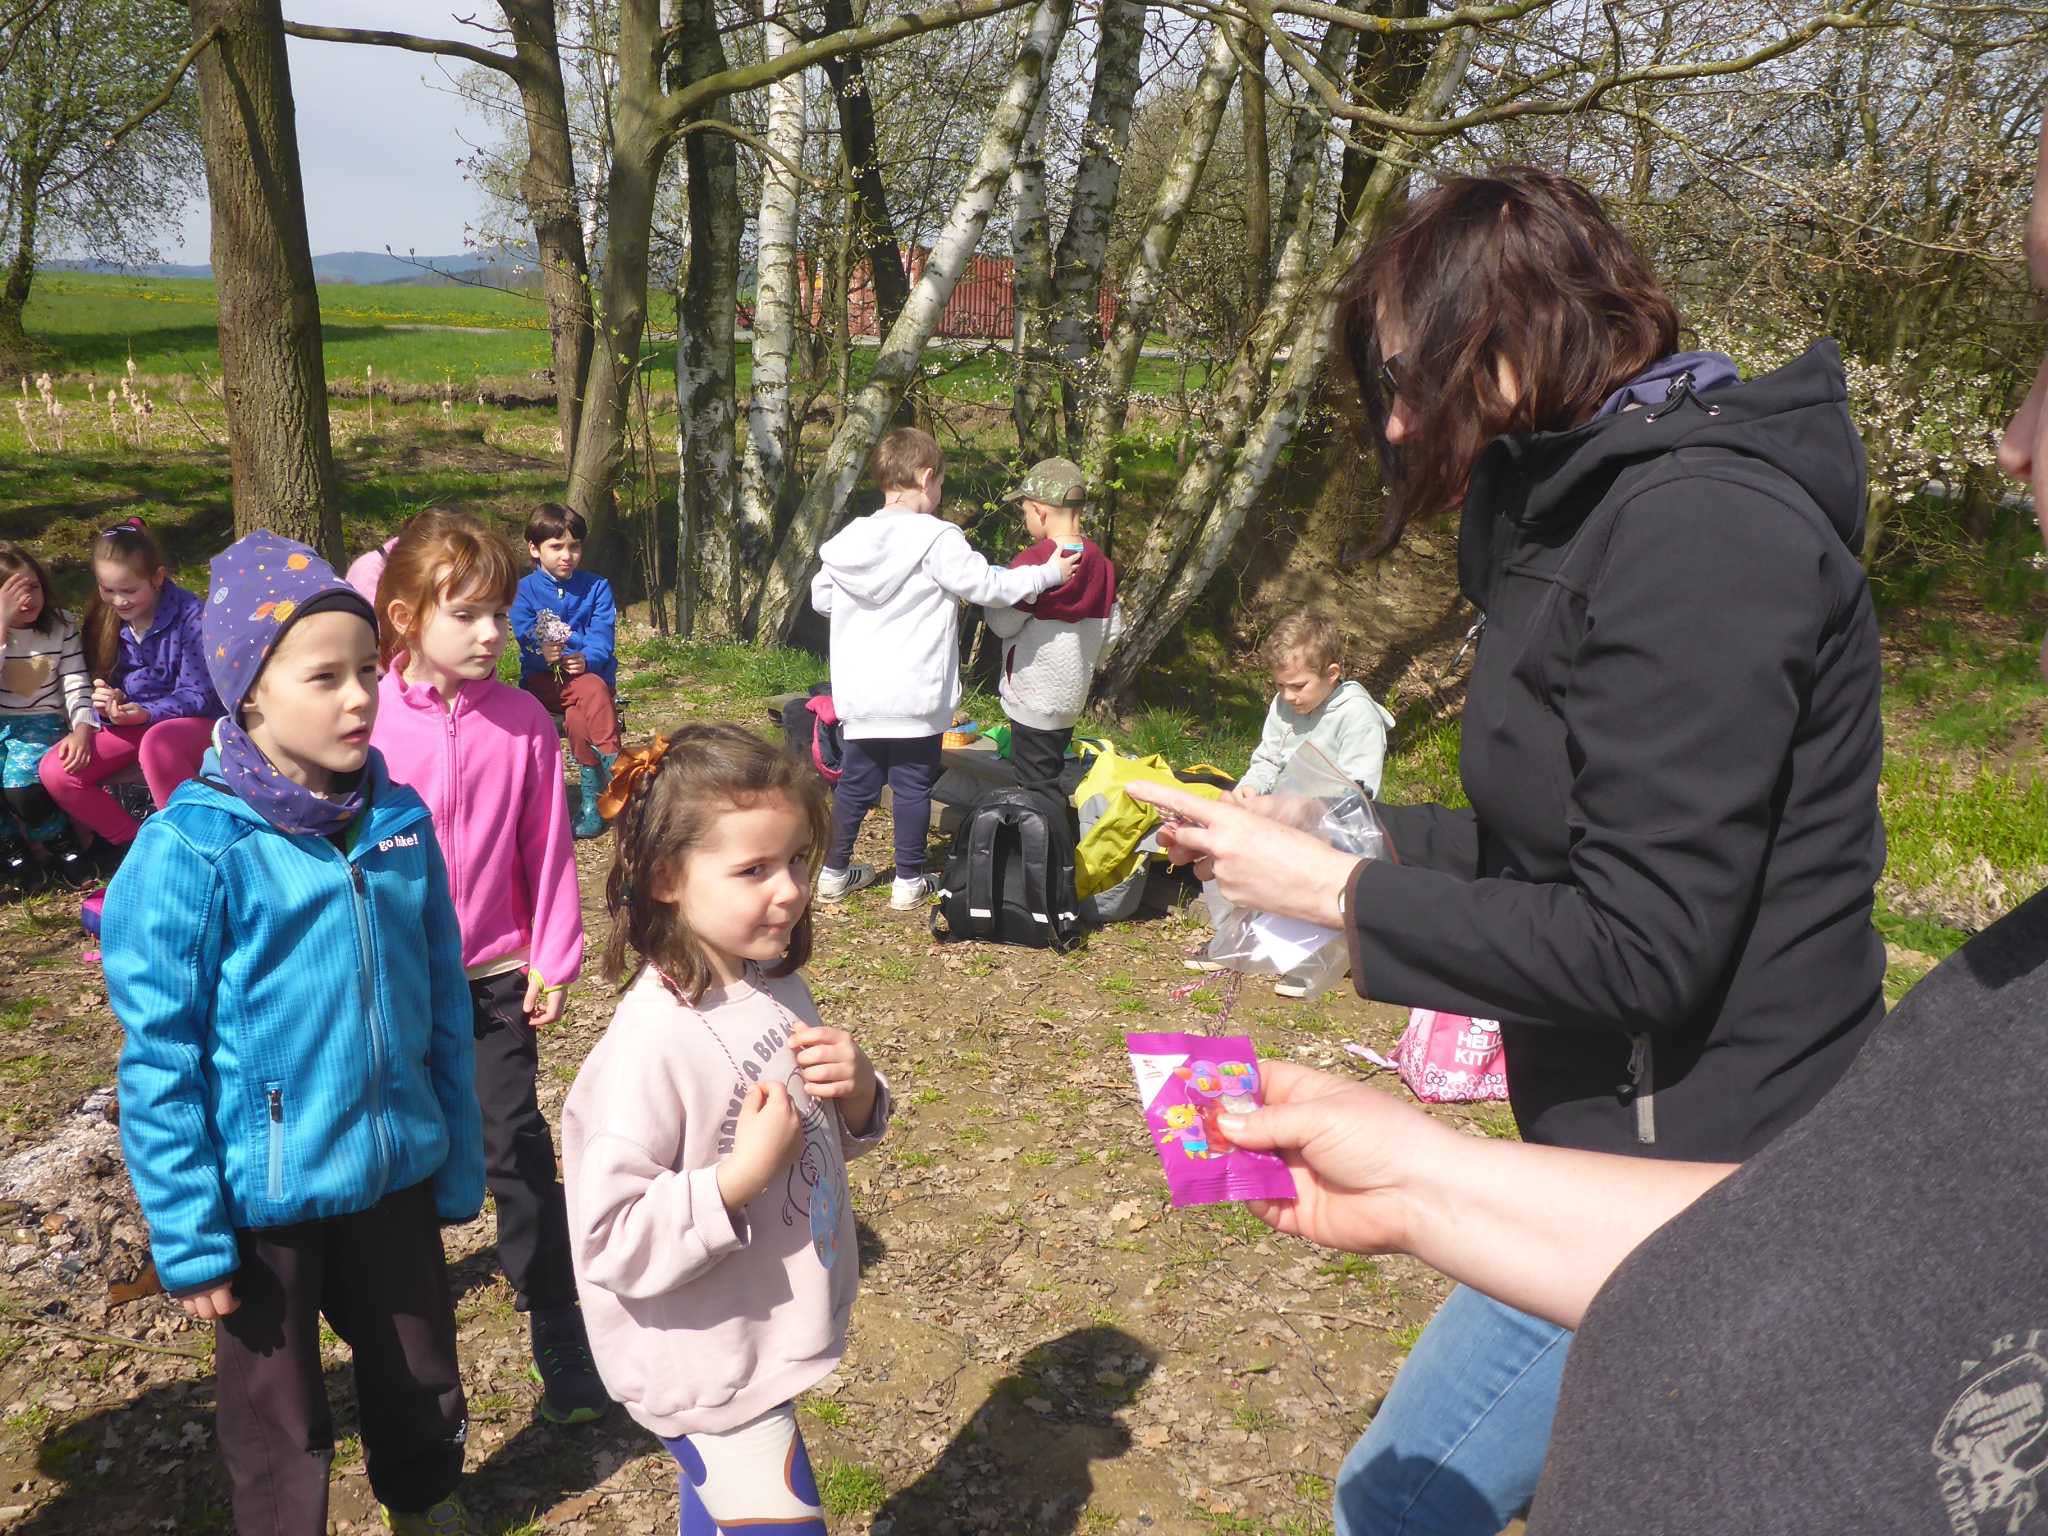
1010,876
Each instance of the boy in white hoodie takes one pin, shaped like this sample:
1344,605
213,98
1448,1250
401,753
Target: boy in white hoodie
892,584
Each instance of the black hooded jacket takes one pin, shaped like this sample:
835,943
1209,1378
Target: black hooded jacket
1671,743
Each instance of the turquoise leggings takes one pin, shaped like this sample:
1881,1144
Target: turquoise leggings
23,741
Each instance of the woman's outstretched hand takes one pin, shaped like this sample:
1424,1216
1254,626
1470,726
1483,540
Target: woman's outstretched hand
1256,860
1349,1147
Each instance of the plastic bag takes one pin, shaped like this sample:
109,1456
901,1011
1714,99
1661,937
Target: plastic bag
1184,1083
1313,794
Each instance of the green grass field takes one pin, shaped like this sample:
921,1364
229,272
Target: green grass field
450,338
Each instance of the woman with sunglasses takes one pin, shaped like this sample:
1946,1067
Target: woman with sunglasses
1671,746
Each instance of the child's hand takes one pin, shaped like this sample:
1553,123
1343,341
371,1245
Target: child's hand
1068,561
763,1144
543,1003
209,1306
833,1067
551,652
573,663
106,698
16,593
74,751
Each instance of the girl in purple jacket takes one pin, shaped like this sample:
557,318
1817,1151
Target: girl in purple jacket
153,703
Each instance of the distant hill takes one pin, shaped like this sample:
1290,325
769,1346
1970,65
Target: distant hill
500,269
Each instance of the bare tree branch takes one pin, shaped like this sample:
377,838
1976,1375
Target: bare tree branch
505,64
163,97
700,93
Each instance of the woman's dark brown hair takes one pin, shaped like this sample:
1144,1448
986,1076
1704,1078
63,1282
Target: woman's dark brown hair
1522,267
130,544
707,771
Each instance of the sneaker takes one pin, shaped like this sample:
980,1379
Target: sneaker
68,863
447,1518
19,870
571,1391
1290,986
838,884
909,895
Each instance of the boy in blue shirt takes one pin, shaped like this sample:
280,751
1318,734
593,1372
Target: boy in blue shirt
565,622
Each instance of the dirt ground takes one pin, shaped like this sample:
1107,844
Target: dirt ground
1041,1344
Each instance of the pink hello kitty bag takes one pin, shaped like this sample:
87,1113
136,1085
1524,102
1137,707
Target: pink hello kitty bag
1447,1058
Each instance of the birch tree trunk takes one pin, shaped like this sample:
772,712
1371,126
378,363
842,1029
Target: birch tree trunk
1033,401
1077,263
784,586
1110,385
272,373
765,468
710,587
1157,614
1243,387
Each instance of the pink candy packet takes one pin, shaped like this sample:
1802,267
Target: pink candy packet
1185,1082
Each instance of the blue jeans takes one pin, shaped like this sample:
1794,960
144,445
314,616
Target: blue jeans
1458,1445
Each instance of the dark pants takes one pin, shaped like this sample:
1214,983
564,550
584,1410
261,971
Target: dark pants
1039,755
519,1154
910,765
381,1281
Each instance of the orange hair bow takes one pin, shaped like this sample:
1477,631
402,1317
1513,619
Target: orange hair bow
631,768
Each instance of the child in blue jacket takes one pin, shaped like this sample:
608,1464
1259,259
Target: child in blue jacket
566,625
297,1110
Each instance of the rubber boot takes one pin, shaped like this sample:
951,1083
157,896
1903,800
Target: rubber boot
588,823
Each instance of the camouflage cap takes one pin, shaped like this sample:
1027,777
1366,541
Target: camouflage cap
1056,482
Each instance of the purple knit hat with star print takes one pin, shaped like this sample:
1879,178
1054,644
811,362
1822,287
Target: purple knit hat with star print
261,585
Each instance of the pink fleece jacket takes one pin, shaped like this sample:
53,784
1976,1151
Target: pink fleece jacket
490,771
700,1322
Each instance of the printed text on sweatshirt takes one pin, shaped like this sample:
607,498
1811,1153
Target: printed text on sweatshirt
700,1321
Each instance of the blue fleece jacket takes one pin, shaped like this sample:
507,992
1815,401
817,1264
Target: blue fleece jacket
584,603
299,1035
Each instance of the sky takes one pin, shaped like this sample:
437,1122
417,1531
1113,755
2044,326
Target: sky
380,135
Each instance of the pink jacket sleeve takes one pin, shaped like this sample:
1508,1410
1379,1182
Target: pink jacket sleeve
549,854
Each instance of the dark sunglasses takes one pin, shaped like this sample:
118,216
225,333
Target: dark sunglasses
1391,370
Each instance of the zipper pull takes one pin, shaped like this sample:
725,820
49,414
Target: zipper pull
277,1106
1471,635
1638,1046
355,875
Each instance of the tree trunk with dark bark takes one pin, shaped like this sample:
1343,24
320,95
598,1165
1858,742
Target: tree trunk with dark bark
875,236
1258,178
272,373
547,184
21,272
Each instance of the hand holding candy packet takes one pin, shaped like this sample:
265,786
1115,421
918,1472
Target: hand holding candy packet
1185,1082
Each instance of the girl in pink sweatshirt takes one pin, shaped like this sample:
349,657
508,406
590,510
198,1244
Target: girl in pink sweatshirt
707,1135
483,755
